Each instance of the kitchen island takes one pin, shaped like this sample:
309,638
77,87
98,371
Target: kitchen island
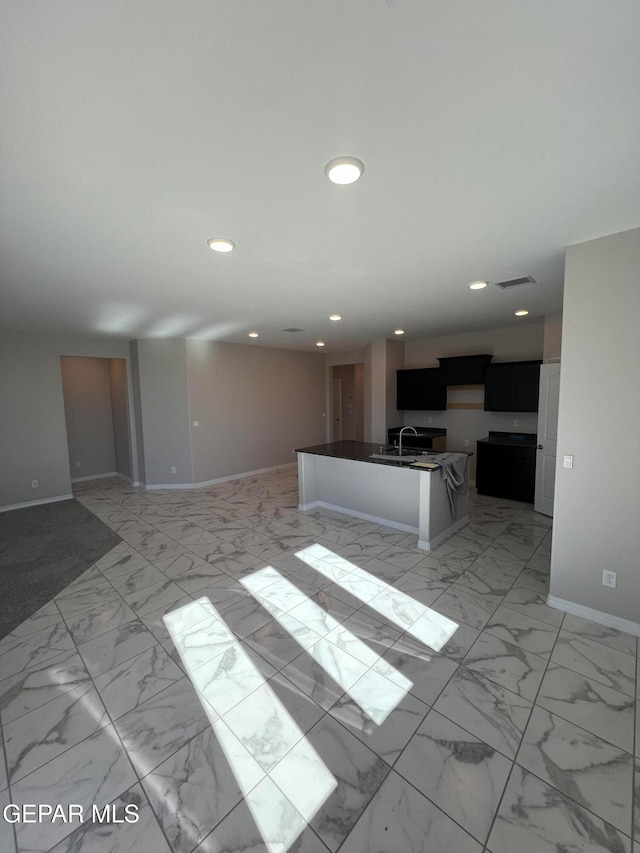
342,476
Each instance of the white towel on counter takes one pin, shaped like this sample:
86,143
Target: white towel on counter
454,474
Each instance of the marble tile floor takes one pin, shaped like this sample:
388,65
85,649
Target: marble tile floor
520,733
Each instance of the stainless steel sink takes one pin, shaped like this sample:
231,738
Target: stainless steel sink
394,457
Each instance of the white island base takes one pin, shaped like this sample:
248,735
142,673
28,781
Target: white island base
396,496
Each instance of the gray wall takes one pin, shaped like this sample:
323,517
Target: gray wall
120,415
164,410
596,503
86,388
136,409
253,405
32,422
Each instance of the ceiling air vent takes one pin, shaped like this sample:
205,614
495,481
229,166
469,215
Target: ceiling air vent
293,329
515,282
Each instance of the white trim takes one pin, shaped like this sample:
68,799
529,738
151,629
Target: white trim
36,503
599,616
406,528
95,477
154,486
432,544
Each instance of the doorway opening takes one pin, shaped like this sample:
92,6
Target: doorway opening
97,417
347,402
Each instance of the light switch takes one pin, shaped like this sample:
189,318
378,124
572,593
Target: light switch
196,423
567,462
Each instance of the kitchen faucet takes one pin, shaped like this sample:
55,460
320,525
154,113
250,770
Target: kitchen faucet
415,432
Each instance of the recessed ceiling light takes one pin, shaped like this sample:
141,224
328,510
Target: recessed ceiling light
253,335
522,312
399,332
344,170
478,285
319,343
221,244
335,317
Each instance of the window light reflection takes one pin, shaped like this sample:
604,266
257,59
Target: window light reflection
266,750
375,685
427,625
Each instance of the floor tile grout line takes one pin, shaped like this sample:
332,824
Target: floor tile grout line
8,789
517,751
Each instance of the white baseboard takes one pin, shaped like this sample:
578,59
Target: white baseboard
374,518
432,544
156,486
95,477
36,503
598,616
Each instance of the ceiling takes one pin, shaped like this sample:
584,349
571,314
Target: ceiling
493,133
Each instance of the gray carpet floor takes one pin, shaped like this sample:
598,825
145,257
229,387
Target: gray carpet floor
42,549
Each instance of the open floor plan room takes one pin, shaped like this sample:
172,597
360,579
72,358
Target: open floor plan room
298,706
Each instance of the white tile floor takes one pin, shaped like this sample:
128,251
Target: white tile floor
518,734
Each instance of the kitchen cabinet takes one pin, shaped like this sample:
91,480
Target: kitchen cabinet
420,390
512,386
464,369
506,468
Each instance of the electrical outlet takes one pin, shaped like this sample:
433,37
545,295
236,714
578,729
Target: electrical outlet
78,464
609,579
196,423
173,469
516,423
466,442
567,461
429,420
34,484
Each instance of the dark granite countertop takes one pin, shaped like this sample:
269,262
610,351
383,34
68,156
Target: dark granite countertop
511,439
360,451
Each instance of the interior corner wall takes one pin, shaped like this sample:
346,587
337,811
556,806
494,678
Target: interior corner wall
378,369
136,409
33,433
164,411
595,520
86,389
552,336
120,415
254,405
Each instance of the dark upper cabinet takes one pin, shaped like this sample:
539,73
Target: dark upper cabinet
464,369
420,390
512,386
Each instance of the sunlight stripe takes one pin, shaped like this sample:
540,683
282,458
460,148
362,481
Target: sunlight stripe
422,622
375,685
264,746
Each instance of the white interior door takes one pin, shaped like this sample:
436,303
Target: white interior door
547,438
336,410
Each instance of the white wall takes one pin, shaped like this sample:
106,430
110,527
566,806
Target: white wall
552,336
512,343
596,502
32,425
87,406
253,405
